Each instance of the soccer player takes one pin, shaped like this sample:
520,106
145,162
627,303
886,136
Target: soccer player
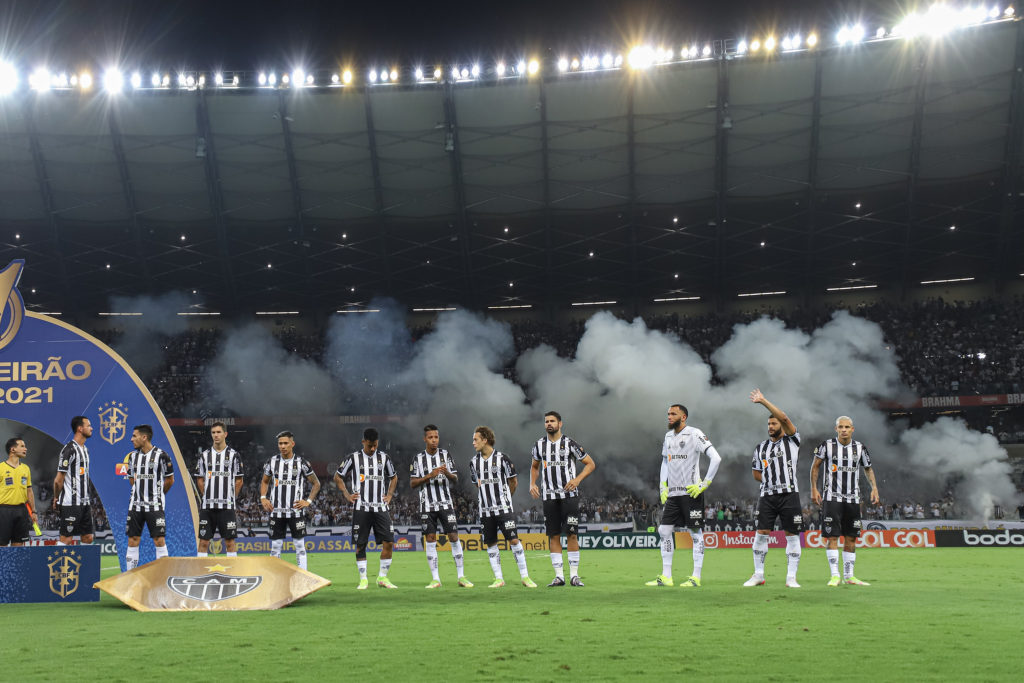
15,493
682,492
840,513
496,479
151,475
774,465
373,482
218,480
281,492
432,472
557,454
71,485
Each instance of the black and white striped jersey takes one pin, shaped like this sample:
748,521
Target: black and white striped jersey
842,469
776,461
74,463
491,474
558,465
148,471
219,470
369,476
287,484
436,493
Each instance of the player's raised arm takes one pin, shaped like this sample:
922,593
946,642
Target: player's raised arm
787,425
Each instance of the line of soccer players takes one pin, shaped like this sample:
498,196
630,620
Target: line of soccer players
367,479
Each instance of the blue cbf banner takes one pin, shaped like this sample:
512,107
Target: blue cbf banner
51,371
50,573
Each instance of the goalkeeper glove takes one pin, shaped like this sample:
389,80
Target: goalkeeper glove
664,492
696,489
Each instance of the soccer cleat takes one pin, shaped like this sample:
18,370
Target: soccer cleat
498,583
692,582
528,582
834,581
385,582
661,580
791,583
464,582
755,580
363,583
854,581
559,581
575,581
434,584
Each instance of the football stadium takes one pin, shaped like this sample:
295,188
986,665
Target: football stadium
507,362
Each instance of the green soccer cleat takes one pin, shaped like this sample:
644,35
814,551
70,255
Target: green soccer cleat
528,582
363,583
661,580
692,582
854,581
434,584
498,583
834,581
464,582
385,582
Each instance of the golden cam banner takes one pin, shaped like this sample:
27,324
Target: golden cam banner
183,584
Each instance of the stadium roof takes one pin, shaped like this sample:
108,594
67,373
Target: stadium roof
708,177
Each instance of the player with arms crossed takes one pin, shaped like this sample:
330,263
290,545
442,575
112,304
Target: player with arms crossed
281,495
432,472
682,492
373,482
840,511
556,454
774,465
71,485
496,479
218,480
151,475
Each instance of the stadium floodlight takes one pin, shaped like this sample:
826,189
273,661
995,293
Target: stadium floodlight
218,78
335,79
594,303
262,78
464,73
563,64
741,47
776,293
856,33
347,76
521,68
39,79
475,71
298,77
787,43
113,81
166,82
384,75
641,57
952,228
394,75
607,61
755,45
272,79
190,81
181,80
418,74
533,67
693,52
812,40
136,80
455,73
234,80
574,64
60,81
706,51
372,76
85,80
8,78
437,74
946,281
499,68
769,43
618,61
1009,12
994,12
285,79
678,298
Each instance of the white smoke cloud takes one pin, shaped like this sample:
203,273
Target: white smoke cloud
144,338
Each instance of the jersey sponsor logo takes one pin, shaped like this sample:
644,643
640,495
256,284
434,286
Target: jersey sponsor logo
798,519
510,524
696,514
451,519
764,462
64,572
572,521
113,421
161,521
81,470
213,587
833,468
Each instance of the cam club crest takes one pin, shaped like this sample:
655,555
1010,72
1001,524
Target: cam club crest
213,587
64,571
113,421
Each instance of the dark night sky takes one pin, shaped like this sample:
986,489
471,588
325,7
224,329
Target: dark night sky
250,35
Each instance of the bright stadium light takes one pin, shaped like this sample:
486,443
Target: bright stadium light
372,76
641,57
418,74
335,79
574,64
769,43
475,71
608,61
787,44
693,52
437,74
85,80
741,47
755,45
113,81
262,78
394,75
347,76
309,79
812,40
8,78
298,77
218,78
521,68
286,79
39,79
166,82
563,64
618,61
464,73
533,67
190,81
455,73
706,51
499,68
384,75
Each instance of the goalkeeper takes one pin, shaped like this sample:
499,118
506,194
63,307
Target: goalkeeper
682,492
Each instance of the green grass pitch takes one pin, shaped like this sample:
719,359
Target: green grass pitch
931,614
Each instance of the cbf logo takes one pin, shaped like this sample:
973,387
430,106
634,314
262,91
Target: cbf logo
213,587
113,421
10,298
64,570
